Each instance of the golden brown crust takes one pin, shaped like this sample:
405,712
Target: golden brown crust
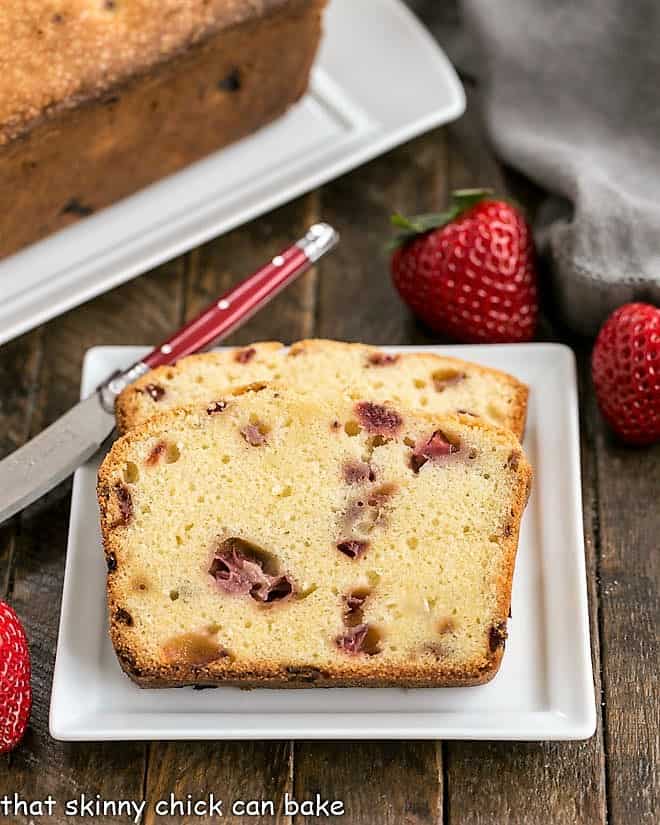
129,414
116,125
505,584
61,54
228,672
167,676
519,407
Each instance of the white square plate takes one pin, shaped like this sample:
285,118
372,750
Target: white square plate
544,689
380,79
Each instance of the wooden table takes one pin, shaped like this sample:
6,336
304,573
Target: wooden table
612,778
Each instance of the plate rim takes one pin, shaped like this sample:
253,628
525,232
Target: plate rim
576,723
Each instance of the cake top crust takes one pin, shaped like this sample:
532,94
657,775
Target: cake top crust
57,53
420,380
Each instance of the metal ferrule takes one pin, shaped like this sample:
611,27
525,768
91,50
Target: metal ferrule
109,391
320,238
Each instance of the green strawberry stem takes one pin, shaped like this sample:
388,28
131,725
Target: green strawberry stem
461,200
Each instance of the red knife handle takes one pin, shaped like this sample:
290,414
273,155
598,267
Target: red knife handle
234,307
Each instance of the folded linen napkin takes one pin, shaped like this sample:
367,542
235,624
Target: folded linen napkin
571,98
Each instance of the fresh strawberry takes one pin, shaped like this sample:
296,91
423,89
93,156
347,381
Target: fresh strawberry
625,366
469,272
15,690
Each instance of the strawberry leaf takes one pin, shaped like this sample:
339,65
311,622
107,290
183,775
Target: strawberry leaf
410,227
463,199
401,222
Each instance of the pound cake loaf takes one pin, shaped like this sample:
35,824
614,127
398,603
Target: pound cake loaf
425,381
99,98
270,539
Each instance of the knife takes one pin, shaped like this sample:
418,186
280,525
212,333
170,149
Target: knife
46,460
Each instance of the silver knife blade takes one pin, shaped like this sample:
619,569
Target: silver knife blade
50,457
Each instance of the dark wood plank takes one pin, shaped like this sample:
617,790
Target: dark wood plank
628,528
145,309
494,782
250,770
470,161
41,766
19,367
410,179
232,771
380,783
222,263
558,782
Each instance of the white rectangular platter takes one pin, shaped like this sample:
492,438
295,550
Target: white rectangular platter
544,689
380,79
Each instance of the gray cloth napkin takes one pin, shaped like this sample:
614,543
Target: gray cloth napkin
571,98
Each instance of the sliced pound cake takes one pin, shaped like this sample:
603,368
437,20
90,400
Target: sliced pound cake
420,380
270,539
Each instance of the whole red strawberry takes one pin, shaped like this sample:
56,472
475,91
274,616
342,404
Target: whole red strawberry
625,366
469,272
15,690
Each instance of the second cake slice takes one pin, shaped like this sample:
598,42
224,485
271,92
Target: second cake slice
333,369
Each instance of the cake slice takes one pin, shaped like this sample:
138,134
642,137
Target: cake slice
418,380
271,539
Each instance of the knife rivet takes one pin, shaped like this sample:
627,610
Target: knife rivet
166,349
278,260
223,304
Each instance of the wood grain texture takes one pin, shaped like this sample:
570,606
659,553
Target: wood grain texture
512,783
628,533
136,311
509,782
380,783
410,179
19,368
41,766
246,770
222,263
